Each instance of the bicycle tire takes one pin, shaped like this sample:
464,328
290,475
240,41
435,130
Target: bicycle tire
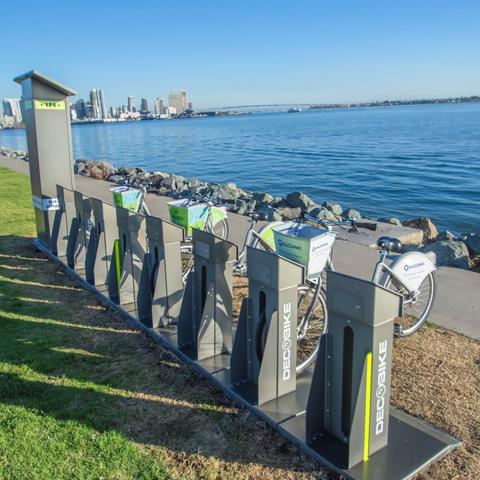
221,229
392,284
306,351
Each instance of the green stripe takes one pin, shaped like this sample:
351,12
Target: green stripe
368,403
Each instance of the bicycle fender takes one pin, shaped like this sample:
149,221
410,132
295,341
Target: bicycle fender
217,214
412,268
266,234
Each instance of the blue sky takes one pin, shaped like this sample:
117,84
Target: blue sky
246,52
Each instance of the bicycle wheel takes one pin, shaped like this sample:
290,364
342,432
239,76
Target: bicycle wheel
416,305
312,320
311,324
220,229
186,253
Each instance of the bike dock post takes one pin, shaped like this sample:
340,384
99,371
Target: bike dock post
348,422
263,363
161,289
129,255
99,254
205,321
62,221
79,233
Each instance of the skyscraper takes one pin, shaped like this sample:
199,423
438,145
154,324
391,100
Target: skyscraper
144,106
81,108
178,100
102,104
159,106
11,108
95,103
131,104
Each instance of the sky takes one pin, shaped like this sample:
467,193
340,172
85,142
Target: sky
246,52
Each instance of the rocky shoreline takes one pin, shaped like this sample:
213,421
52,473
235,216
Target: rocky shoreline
458,251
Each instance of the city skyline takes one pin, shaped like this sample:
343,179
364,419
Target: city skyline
96,108
251,53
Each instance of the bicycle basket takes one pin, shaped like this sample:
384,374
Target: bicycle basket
127,197
303,244
188,215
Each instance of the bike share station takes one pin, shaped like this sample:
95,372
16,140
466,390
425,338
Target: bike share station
337,411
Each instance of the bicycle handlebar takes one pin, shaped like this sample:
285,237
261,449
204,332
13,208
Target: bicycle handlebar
328,224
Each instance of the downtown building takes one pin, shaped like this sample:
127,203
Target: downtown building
179,101
11,108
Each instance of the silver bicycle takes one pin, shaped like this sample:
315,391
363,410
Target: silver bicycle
411,274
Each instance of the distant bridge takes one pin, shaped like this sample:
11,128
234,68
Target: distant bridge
268,107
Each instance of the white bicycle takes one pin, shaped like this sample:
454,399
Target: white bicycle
412,274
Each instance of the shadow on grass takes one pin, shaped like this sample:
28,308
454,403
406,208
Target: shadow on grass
66,356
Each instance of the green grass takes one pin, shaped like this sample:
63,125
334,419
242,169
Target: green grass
55,422
83,396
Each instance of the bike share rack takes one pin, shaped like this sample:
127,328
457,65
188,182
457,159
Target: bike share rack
336,411
263,361
205,322
79,233
61,222
161,288
100,249
129,255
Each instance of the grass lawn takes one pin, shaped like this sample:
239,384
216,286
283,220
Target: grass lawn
83,396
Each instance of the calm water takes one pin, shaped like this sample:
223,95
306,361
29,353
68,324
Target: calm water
401,161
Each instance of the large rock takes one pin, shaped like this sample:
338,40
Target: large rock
289,213
472,241
229,191
168,183
270,212
450,254
424,224
351,214
299,199
390,220
322,214
261,197
446,235
335,208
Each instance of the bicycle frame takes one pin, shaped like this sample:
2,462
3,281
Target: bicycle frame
241,264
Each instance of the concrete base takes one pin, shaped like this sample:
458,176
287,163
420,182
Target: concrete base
413,444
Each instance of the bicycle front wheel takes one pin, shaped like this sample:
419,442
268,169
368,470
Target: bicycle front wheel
416,305
220,229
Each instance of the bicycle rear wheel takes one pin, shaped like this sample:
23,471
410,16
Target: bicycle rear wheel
416,305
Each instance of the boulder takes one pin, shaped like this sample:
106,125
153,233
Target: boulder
239,206
450,254
333,207
390,220
262,197
168,183
229,191
472,241
446,235
424,224
80,167
351,214
299,199
289,213
116,178
270,212
251,204
322,214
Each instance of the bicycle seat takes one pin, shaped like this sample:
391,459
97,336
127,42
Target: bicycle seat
258,216
390,244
